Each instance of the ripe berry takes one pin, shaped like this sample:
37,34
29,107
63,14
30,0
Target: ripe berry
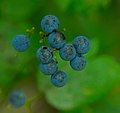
17,99
49,23
21,43
44,54
59,79
78,63
82,44
49,68
56,40
67,52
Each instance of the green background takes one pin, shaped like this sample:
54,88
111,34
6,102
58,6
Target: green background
93,90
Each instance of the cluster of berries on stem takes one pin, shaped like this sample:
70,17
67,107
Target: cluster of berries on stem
74,53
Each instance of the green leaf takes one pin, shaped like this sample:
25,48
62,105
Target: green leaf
109,104
84,87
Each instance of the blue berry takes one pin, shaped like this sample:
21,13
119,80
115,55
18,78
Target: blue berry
78,63
67,52
82,44
44,54
49,68
59,79
17,99
49,23
56,40
21,43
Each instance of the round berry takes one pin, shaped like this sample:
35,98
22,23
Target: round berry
82,44
49,23
44,54
78,63
17,99
49,68
59,79
67,52
21,43
56,40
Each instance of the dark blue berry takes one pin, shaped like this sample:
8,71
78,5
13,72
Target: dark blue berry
49,23
78,63
44,54
82,44
56,40
49,68
67,52
17,99
59,79
21,43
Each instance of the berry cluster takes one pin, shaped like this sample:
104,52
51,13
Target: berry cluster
69,52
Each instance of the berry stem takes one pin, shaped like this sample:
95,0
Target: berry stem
63,31
30,32
55,57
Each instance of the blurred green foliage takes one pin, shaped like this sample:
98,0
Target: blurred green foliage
94,90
